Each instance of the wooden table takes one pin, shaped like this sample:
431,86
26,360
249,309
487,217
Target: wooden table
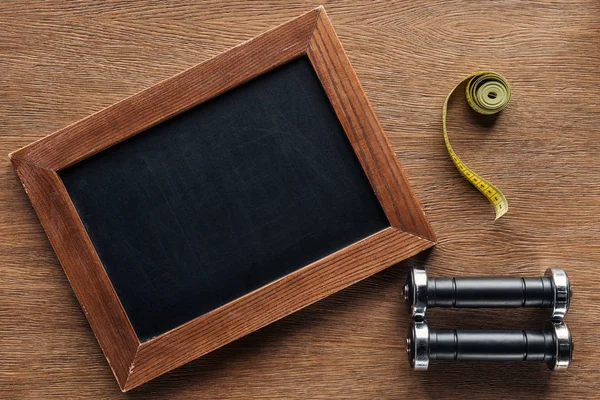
61,61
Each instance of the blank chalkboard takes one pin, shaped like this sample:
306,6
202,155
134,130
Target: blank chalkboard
223,198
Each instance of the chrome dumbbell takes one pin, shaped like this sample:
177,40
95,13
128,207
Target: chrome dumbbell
553,345
553,291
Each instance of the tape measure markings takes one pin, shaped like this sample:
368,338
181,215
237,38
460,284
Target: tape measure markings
487,93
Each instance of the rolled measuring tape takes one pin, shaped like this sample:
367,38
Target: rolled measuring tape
487,93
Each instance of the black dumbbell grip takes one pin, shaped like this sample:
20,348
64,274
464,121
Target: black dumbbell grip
500,345
490,292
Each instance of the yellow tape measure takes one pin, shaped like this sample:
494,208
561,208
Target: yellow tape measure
487,93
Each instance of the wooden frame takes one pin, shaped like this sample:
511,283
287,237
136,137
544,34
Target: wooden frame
134,362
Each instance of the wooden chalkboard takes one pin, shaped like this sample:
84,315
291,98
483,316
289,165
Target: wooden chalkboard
222,199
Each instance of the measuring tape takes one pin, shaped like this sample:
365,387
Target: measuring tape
487,93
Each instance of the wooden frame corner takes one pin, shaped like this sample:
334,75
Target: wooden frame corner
363,128
83,268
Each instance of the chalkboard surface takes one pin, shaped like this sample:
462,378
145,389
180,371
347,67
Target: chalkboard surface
223,198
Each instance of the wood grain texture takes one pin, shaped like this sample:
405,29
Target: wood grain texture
170,97
365,132
64,60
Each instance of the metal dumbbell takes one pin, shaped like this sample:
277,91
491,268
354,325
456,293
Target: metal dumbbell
552,291
553,345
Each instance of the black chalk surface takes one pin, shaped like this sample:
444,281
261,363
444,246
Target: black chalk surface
224,198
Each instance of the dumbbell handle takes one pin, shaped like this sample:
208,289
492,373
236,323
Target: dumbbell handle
496,345
490,292
550,291
552,345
